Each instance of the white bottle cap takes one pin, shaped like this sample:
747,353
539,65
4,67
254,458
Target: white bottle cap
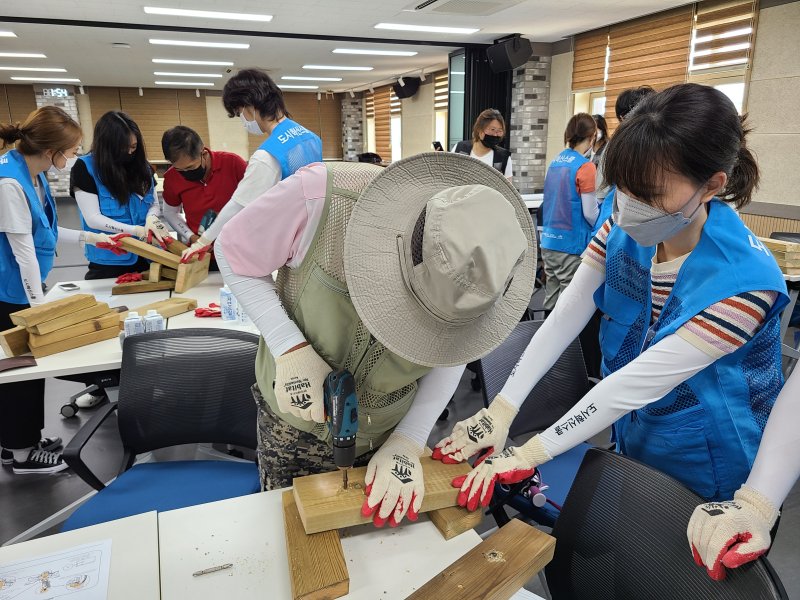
152,313
133,313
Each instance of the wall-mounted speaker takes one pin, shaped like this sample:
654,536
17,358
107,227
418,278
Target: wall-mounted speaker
410,88
509,54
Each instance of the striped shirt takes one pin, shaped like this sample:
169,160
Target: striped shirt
720,329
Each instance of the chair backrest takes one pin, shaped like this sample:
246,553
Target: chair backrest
622,534
187,386
565,383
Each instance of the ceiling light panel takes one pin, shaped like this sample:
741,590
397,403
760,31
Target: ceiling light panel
427,28
297,87
171,74
206,63
369,52
189,83
35,69
232,45
298,78
7,34
21,55
48,79
207,14
335,68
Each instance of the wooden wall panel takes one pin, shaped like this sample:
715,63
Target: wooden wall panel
102,100
21,101
192,112
763,226
155,111
5,116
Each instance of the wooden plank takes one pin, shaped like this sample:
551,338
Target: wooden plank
104,322
317,569
455,520
150,252
167,273
190,274
495,569
92,312
780,245
324,505
176,247
52,310
138,287
14,341
76,342
154,274
166,308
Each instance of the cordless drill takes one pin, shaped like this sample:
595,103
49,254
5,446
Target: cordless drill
341,414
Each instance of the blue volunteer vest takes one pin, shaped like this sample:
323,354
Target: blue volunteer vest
132,213
563,227
706,431
44,229
293,146
606,208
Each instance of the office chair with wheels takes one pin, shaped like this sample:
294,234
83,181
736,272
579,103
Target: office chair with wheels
622,534
556,392
188,386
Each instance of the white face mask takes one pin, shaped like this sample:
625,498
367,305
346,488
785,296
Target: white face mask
252,127
54,170
647,225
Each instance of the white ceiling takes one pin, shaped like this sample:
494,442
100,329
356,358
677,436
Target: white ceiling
86,52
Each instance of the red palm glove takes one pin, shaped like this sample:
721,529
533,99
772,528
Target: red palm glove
197,249
113,245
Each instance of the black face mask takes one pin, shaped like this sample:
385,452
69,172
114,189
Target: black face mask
490,141
128,158
194,174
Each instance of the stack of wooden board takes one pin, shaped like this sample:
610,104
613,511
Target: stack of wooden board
167,272
786,253
166,308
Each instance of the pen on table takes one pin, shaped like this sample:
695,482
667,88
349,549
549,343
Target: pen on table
212,570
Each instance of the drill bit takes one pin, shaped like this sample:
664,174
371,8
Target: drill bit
344,478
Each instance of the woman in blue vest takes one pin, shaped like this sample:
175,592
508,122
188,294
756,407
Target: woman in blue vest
691,304
252,96
115,192
569,210
47,140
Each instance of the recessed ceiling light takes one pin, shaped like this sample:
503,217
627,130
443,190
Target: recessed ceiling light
335,68
206,14
169,74
121,45
189,83
36,69
47,79
426,28
7,34
375,52
21,55
298,87
298,78
233,45
207,63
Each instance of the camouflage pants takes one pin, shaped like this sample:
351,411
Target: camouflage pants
285,452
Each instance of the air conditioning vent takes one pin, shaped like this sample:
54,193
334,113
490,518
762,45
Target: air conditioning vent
468,8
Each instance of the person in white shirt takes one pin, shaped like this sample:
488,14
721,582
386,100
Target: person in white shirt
487,135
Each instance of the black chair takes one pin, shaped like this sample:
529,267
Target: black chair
622,534
559,390
187,386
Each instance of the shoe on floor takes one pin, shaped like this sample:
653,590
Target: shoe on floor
48,444
40,461
89,400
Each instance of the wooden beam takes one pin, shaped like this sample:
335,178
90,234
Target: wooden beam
495,569
14,341
455,520
104,322
190,274
52,310
166,308
76,342
324,505
167,273
138,287
317,569
176,247
150,252
154,274
78,316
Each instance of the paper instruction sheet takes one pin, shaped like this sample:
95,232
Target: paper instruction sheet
77,573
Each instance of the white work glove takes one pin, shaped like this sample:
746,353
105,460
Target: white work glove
730,534
395,487
156,229
510,466
299,378
198,248
103,240
486,430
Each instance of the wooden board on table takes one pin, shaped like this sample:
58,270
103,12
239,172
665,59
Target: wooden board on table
780,245
154,274
150,252
14,341
495,569
76,342
140,287
317,569
176,247
166,308
324,505
52,310
167,273
192,273
103,322
455,520
92,312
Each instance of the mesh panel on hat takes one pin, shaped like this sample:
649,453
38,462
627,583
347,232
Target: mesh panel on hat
416,238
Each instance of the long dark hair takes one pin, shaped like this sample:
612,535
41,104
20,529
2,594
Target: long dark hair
121,175
602,126
579,127
689,129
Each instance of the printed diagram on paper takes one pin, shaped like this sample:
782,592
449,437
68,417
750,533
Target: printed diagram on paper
79,573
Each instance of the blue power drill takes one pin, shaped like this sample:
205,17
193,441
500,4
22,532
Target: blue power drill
341,414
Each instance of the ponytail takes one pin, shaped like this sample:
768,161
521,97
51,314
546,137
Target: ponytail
9,134
46,128
744,176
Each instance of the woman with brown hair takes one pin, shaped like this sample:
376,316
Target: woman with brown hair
48,139
487,135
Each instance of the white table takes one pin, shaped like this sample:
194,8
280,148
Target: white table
533,201
134,553
205,293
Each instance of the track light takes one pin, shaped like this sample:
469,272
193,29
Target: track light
141,93
80,89
422,75
352,94
371,90
319,96
401,82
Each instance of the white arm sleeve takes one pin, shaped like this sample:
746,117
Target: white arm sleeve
172,214
230,210
573,310
509,169
777,464
262,173
89,205
25,254
647,378
71,236
155,208
591,209
259,299
434,392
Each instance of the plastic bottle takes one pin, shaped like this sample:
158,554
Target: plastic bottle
153,321
242,316
227,303
133,324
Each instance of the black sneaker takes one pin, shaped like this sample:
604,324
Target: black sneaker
48,444
40,461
